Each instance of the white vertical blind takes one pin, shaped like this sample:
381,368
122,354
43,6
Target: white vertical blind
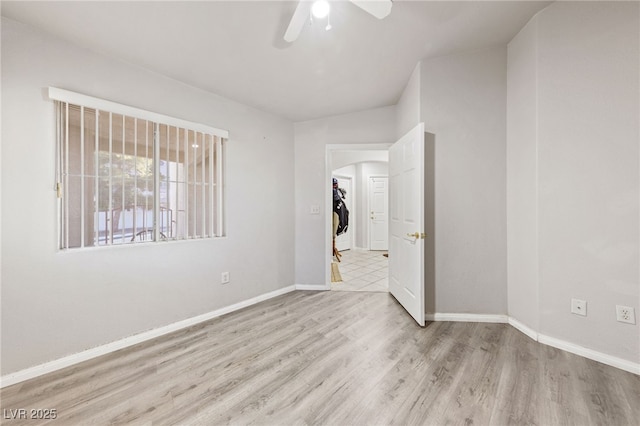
203,184
66,176
109,218
156,182
82,224
212,151
220,160
187,222
96,188
162,182
122,181
135,177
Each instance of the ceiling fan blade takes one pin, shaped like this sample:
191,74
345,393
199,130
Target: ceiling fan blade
298,20
378,8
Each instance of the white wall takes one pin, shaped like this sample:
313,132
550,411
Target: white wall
463,102
311,138
586,132
341,158
347,171
408,107
58,303
522,174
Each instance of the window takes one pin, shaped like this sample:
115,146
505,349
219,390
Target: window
127,175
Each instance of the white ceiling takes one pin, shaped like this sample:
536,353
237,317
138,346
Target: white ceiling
235,48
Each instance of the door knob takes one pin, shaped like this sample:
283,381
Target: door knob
418,235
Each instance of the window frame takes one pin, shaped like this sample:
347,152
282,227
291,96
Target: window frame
216,141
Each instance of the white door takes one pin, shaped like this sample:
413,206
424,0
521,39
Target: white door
378,223
343,241
406,222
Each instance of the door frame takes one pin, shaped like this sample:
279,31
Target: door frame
328,211
369,177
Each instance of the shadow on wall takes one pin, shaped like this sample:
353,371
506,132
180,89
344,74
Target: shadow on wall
430,223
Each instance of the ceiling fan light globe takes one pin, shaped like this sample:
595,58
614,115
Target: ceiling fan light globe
320,8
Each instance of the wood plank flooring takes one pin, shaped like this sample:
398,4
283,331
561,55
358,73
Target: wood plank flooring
333,358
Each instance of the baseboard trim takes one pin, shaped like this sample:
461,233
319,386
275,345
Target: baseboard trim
524,329
613,361
67,361
467,317
312,287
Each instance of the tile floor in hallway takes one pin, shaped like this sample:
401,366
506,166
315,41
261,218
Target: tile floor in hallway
363,270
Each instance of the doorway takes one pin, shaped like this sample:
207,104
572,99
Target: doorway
355,166
411,218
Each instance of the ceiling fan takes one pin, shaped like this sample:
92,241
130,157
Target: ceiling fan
320,8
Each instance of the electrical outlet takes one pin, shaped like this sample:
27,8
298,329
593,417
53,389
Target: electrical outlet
224,279
625,314
579,307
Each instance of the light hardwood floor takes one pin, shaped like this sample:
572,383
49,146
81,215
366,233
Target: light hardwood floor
334,358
